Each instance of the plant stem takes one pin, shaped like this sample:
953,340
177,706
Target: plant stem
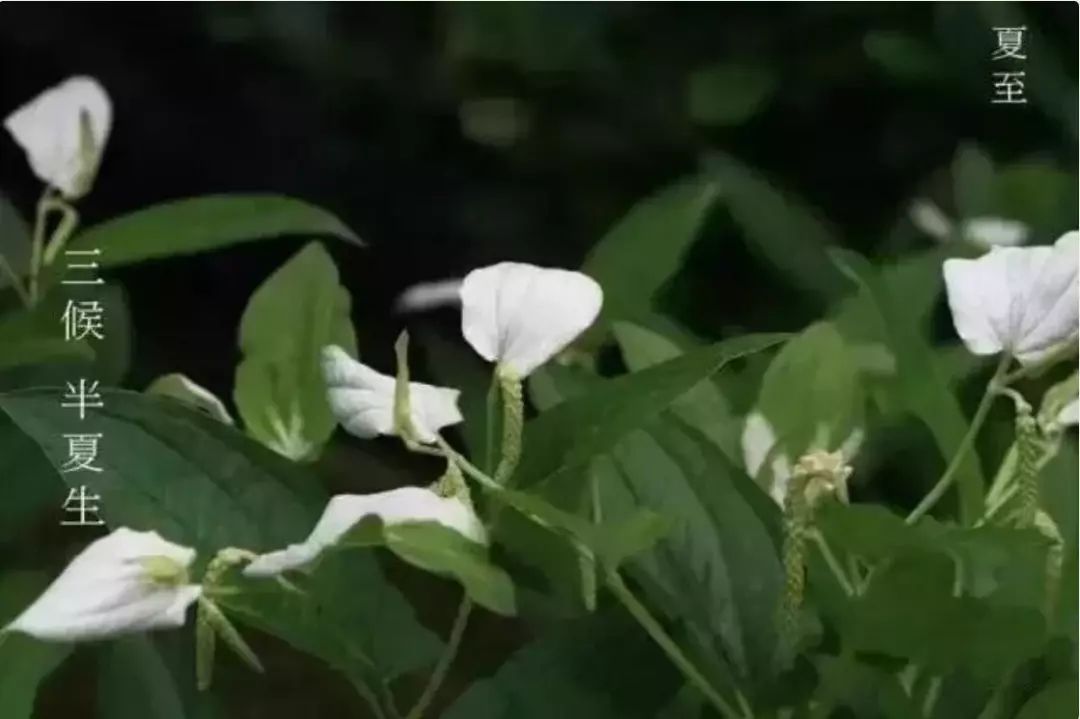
369,698
16,282
943,484
37,247
438,675
650,624
932,693
834,564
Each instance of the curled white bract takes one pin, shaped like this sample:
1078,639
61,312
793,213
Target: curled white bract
63,132
362,399
519,316
125,582
1020,300
406,505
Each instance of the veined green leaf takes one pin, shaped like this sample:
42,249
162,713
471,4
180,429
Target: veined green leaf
134,682
201,224
279,391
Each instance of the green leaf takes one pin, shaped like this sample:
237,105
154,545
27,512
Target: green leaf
15,240
728,93
437,549
24,661
909,612
647,246
1057,701
923,386
346,614
1039,194
717,570
181,388
811,394
783,230
201,224
203,484
703,406
279,391
595,668
561,443
27,481
134,682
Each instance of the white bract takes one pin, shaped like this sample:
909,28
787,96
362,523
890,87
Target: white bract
363,399
125,582
1020,300
760,444
63,132
407,505
520,316
430,295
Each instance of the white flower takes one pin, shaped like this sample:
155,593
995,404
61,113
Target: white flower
406,505
985,232
63,132
125,582
429,296
1020,300
759,443
520,316
1069,415
363,399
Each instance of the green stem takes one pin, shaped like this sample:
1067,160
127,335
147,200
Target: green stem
491,412
37,246
438,675
938,491
932,693
650,624
369,698
16,282
1065,351
834,564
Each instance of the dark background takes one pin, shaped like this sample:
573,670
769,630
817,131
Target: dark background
375,111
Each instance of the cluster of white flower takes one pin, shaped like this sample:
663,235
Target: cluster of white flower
516,315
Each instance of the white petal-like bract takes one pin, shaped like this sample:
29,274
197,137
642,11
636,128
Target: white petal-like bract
63,132
363,399
520,315
111,588
1020,300
398,506
430,295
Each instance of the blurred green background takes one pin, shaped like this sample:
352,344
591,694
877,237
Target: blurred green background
455,135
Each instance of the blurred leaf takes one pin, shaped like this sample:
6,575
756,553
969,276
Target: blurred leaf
15,242
346,614
203,484
595,668
1057,701
921,383
135,683
973,182
703,406
903,56
647,246
24,661
201,224
1040,195
866,690
728,93
279,390
780,228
